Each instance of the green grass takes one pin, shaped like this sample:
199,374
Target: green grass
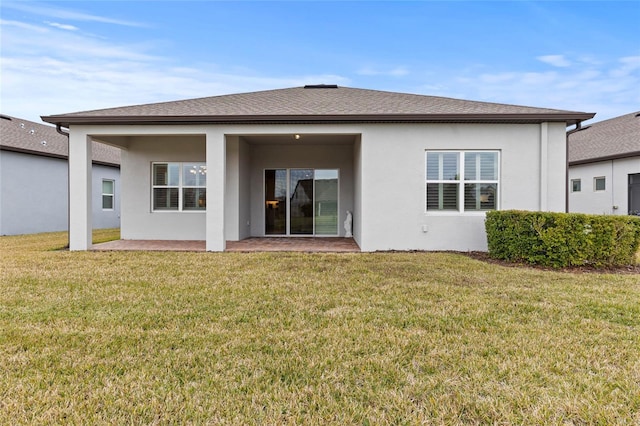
284,338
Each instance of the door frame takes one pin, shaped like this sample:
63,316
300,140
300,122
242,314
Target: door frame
632,185
288,203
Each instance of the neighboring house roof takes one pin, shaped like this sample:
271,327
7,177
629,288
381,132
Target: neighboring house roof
617,137
318,104
29,137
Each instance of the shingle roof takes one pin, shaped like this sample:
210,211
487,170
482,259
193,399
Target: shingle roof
27,136
617,137
319,104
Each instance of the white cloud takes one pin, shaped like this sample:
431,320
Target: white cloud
46,71
555,60
21,25
604,86
53,12
62,26
627,66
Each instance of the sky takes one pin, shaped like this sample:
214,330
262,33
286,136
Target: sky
68,56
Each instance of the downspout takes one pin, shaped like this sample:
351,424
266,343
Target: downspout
63,133
566,169
614,207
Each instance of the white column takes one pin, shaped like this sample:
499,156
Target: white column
80,225
232,196
216,178
544,166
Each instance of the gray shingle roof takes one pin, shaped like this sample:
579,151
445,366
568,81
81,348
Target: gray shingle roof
617,137
27,136
316,104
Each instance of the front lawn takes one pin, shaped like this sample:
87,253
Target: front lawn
273,338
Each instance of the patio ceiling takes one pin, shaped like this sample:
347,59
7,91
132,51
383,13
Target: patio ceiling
305,139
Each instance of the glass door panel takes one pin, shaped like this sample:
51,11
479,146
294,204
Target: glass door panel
326,202
301,201
275,198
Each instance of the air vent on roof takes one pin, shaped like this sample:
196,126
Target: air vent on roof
638,114
5,117
321,86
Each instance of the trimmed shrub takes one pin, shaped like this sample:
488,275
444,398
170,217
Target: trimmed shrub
562,239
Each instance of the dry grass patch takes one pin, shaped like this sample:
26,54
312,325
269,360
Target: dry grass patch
371,338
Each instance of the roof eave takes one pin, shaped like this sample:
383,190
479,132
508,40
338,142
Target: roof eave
570,118
605,158
106,163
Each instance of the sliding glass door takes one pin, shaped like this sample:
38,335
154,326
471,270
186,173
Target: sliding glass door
275,194
326,202
301,201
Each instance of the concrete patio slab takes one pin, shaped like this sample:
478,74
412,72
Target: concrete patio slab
253,244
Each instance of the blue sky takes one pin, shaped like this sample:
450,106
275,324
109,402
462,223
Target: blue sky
67,56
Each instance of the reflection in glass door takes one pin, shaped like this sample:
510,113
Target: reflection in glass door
275,195
326,202
301,202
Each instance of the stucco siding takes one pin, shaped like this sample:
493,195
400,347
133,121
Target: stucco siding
616,193
138,219
382,178
393,181
34,194
244,171
357,190
105,218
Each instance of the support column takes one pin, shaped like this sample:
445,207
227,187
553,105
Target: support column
80,212
216,179
544,166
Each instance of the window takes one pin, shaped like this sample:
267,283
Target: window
108,187
179,186
599,183
576,185
461,181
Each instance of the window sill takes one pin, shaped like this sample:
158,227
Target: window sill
457,213
179,211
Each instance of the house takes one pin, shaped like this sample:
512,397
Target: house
604,167
34,182
417,172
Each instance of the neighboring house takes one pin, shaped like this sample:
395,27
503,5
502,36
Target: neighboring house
417,172
604,167
34,182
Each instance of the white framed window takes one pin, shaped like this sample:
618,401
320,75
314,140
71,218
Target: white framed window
462,181
108,192
599,183
576,185
179,187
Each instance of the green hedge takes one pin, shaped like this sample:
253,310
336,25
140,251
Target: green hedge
563,239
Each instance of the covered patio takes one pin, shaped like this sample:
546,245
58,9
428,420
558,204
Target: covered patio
253,244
